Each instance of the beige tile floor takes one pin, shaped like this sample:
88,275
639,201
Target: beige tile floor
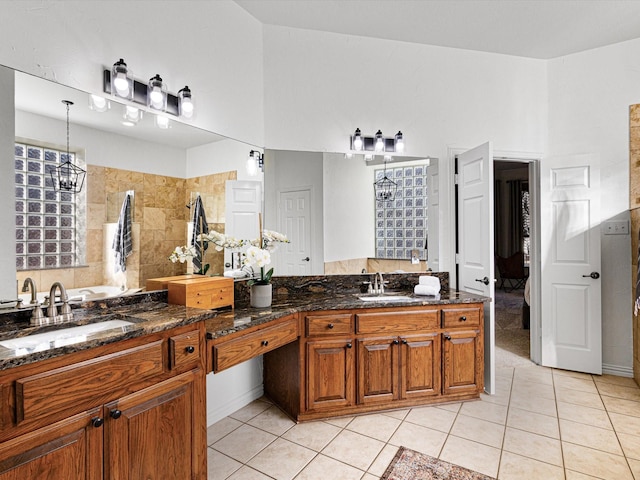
541,424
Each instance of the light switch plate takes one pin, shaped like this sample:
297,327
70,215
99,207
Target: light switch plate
616,227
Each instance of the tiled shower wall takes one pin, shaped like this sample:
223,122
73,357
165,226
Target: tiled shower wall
634,202
159,209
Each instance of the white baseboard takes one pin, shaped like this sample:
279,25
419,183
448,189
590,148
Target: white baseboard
617,370
218,413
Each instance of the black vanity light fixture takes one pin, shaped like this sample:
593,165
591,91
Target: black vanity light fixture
255,162
67,176
377,143
119,82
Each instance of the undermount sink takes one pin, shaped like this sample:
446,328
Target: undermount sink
59,338
386,298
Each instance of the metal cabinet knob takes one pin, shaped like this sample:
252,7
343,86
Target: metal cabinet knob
190,349
349,345
330,326
97,422
396,342
463,318
115,414
265,343
447,337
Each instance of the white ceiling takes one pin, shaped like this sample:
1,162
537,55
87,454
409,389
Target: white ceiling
541,29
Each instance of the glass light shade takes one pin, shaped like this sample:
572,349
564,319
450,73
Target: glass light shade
379,142
368,157
185,103
157,93
357,140
98,103
252,164
132,114
399,142
163,122
122,80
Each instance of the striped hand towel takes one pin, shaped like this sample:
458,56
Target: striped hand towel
199,220
122,244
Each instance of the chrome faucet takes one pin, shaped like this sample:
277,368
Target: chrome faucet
37,317
30,285
380,281
65,310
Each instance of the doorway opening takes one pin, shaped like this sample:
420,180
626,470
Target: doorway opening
514,250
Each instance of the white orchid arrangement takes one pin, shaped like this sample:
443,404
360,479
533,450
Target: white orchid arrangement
182,254
257,255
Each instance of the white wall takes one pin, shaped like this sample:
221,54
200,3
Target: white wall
589,98
218,157
7,184
103,148
320,86
213,47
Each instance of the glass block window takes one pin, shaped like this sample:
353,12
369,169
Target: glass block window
46,220
401,222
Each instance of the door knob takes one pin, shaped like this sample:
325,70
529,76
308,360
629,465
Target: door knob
594,275
484,280
306,259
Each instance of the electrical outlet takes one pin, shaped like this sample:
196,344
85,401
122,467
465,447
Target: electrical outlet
616,227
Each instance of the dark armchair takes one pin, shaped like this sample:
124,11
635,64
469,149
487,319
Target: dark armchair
511,270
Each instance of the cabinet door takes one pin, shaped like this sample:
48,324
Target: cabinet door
330,374
420,366
68,449
158,432
377,370
462,354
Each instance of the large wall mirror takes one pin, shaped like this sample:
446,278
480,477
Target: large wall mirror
327,203
163,169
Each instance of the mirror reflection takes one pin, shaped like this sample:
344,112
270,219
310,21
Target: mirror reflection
326,203
161,169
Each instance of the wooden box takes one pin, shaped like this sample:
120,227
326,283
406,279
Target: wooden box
203,292
162,282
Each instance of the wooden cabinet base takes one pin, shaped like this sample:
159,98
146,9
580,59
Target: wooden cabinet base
362,361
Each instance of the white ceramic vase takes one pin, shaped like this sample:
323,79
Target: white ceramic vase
261,295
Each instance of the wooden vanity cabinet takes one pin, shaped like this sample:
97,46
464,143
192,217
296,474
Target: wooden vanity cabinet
128,410
365,360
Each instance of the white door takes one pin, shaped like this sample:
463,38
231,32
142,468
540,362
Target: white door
570,212
475,241
243,204
433,212
294,220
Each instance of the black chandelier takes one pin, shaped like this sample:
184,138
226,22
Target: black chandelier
67,176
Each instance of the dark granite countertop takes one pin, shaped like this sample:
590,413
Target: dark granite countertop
244,317
150,313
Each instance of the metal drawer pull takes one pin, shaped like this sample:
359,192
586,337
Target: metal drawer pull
190,349
349,345
463,318
115,414
265,343
447,337
330,325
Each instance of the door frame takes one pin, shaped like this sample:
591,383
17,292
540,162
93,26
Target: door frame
535,270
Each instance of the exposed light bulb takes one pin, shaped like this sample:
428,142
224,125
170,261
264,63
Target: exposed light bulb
121,84
156,93
252,163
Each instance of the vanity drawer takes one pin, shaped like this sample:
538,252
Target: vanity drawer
338,324
461,316
245,346
67,387
184,349
399,321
